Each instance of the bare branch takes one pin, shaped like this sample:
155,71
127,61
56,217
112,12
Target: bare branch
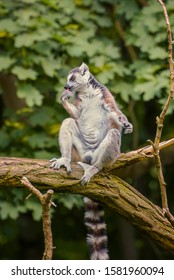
160,119
46,220
138,155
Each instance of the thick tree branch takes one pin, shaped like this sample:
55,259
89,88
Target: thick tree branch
112,191
13,169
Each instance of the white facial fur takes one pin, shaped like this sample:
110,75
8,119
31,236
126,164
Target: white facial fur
79,77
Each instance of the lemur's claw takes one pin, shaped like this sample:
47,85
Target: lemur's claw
85,179
89,172
57,163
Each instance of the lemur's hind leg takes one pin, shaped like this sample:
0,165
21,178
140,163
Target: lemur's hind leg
68,137
89,171
105,155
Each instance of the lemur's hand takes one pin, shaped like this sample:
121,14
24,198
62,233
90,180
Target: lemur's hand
127,126
66,94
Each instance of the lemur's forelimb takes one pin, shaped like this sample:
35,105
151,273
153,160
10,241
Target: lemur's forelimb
69,107
69,138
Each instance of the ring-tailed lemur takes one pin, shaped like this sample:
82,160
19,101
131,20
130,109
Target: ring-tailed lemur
91,137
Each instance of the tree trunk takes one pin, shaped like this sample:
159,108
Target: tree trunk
9,95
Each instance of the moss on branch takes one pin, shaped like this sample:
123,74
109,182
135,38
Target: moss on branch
109,190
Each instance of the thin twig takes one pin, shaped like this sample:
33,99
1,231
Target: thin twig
140,154
46,220
160,119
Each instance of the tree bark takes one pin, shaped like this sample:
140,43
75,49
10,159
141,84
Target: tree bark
109,190
9,95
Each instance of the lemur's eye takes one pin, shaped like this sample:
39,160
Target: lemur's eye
72,79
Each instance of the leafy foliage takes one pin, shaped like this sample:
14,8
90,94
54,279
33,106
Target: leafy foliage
57,35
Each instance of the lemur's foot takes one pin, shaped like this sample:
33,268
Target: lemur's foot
90,170
63,161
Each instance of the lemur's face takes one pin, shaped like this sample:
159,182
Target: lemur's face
78,78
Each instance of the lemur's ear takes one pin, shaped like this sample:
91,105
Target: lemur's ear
83,68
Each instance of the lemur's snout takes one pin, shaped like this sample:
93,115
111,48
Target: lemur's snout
68,87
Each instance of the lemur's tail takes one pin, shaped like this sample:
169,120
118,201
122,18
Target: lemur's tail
97,236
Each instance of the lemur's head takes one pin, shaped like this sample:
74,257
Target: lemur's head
78,78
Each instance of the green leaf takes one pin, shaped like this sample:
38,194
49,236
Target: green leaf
75,50
111,51
157,52
96,46
23,73
52,3
41,140
67,6
26,15
35,207
42,117
9,25
70,200
119,68
25,40
6,62
102,21
35,141
145,70
163,80
105,76
43,154
171,107
127,7
50,66
28,39
4,139
99,60
7,210
148,88
126,90
43,48
30,93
